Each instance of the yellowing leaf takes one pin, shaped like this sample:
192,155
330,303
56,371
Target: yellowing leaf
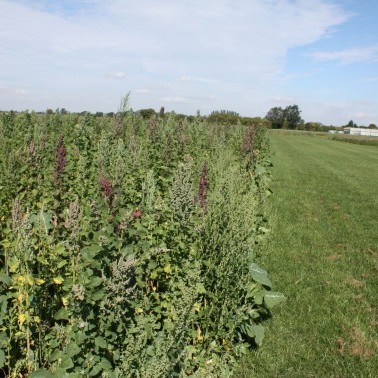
58,280
167,268
196,307
13,264
21,280
29,280
139,310
199,334
39,281
65,301
22,318
37,319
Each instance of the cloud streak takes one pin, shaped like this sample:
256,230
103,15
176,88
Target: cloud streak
189,53
348,56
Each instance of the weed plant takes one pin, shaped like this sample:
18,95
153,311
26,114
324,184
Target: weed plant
128,246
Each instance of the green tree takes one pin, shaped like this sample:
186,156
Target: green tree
276,117
351,124
224,117
147,113
288,118
292,115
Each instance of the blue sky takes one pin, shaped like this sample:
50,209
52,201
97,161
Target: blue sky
189,55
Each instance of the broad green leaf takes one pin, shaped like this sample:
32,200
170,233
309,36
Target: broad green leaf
91,251
2,358
259,296
260,275
259,334
257,331
4,278
103,365
56,354
62,314
67,363
98,295
273,298
96,281
72,349
101,342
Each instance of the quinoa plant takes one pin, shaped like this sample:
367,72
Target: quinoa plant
128,246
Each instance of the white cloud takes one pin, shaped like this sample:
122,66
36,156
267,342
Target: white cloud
286,100
143,91
20,92
189,53
341,112
174,99
347,56
117,75
197,79
185,78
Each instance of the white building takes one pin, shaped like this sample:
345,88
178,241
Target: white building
361,131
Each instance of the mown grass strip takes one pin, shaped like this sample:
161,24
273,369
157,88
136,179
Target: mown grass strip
324,257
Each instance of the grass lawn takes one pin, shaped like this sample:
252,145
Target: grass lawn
324,257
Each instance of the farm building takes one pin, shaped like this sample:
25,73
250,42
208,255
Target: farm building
361,131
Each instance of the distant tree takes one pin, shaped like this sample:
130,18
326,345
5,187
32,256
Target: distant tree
276,117
180,117
49,111
351,124
224,117
99,114
161,112
110,114
250,121
292,115
147,113
315,126
288,118
63,111
372,126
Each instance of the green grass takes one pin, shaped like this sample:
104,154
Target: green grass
357,139
324,257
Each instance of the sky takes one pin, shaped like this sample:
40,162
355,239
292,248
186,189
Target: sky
241,55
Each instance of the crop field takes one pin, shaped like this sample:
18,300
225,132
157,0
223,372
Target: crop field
324,256
129,247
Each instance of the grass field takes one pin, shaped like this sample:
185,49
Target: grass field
324,257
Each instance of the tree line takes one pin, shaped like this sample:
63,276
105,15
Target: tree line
276,118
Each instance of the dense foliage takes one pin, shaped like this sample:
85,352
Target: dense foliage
128,245
288,118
